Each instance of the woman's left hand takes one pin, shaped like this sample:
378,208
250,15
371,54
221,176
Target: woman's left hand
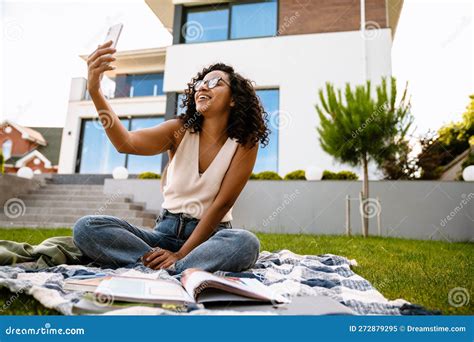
160,258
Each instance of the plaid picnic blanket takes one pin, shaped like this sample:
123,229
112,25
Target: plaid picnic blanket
287,273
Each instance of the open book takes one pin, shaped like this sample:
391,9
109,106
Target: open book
196,286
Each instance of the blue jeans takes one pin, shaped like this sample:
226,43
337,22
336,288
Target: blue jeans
112,242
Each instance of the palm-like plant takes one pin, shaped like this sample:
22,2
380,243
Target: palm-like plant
362,128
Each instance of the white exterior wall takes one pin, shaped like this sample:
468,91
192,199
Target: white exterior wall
78,110
298,65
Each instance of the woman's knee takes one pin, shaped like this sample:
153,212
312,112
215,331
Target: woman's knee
83,228
248,243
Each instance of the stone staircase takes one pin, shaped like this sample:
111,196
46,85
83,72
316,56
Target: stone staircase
60,205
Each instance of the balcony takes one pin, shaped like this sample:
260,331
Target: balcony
128,86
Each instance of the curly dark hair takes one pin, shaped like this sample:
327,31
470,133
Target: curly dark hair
247,120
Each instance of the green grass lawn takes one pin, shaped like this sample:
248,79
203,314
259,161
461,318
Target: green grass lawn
422,272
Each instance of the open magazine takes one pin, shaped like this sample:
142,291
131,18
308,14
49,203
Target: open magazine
196,286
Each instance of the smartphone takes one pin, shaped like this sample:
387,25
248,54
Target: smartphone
113,34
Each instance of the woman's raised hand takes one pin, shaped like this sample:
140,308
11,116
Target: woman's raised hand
98,62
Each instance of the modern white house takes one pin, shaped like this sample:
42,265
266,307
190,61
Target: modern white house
289,48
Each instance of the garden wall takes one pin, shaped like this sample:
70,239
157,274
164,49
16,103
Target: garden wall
410,209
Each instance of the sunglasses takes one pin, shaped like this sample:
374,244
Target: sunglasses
211,83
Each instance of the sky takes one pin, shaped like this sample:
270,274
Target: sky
42,40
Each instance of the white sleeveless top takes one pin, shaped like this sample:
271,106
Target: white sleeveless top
184,189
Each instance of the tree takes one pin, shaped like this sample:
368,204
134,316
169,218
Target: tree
400,165
361,128
439,148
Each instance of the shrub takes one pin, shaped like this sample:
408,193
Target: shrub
2,162
253,176
439,148
298,174
268,175
344,175
149,175
347,175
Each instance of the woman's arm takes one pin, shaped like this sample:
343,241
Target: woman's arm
147,141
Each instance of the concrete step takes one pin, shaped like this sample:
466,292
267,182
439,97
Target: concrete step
29,210
79,192
79,178
70,219
83,204
78,198
61,205
72,187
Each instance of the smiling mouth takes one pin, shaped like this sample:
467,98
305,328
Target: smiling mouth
203,98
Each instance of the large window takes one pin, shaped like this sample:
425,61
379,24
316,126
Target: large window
139,85
98,155
267,159
206,24
254,20
136,163
229,21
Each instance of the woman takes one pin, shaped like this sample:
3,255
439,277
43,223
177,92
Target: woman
212,149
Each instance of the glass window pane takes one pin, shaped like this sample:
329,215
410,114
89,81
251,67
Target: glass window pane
122,87
267,158
205,25
147,85
139,85
7,147
254,19
97,154
136,163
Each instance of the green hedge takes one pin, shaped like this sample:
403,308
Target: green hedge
266,175
149,175
328,175
298,174
2,162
